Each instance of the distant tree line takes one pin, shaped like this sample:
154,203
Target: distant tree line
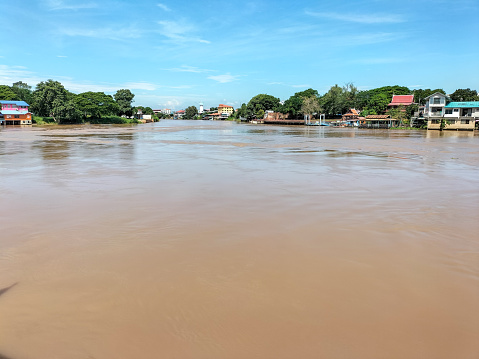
338,100
51,99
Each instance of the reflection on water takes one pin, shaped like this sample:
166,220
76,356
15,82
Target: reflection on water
220,240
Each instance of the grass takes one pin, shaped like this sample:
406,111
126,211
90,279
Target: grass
43,120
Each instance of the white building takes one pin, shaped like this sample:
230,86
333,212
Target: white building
435,104
442,114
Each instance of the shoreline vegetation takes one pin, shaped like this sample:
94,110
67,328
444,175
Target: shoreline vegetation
108,120
51,103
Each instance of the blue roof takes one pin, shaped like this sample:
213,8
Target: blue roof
18,103
466,104
12,112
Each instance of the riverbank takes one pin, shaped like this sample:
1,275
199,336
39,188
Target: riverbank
42,121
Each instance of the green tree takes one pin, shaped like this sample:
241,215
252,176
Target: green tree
398,113
190,112
364,99
7,94
262,102
242,112
23,91
464,95
124,100
148,111
96,104
379,102
66,111
310,106
45,94
294,104
333,101
421,94
350,93
411,109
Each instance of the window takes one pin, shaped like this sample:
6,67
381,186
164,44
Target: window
464,122
456,110
448,111
437,100
451,122
17,116
434,122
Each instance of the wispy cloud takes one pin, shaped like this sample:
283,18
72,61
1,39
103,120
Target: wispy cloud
11,74
140,86
366,39
62,56
163,7
379,60
360,18
186,68
104,33
223,78
179,31
180,87
69,5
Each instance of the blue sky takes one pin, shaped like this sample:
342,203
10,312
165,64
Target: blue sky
173,54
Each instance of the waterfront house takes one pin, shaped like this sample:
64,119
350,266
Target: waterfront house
457,116
352,114
179,114
15,113
442,114
401,100
435,103
212,116
225,111
379,121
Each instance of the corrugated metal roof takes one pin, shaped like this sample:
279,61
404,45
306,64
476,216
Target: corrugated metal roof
18,103
13,112
466,104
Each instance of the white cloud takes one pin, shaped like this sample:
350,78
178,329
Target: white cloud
163,7
11,74
179,31
180,87
223,78
104,33
69,5
140,86
186,68
379,60
360,18
62,56
366,39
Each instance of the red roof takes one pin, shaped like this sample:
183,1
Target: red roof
405,100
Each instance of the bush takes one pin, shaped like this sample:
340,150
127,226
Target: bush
42,120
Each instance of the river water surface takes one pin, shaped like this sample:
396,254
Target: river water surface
190,239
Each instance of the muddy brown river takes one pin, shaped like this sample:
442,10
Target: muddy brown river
209,240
